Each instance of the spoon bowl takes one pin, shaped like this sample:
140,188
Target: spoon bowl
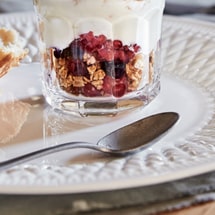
127,140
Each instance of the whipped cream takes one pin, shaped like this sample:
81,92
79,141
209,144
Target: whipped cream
131,21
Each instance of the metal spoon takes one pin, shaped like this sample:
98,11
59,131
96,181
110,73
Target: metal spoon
124,141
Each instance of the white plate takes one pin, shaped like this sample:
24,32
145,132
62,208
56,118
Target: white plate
188,87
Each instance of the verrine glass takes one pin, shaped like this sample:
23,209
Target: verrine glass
100,56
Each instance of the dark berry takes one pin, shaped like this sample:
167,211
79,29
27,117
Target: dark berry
90,91
108,67
67,52
77,68
71,66
120,68
76,90
57,53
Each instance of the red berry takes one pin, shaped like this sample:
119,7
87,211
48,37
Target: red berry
106,54
88,36
108,44
136,48
115,87
129,55
117,44
120,55
123,80
71,66
108,84
101,39
119,90
83,43
89,47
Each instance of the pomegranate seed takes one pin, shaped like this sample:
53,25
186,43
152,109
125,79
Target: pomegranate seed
106,54
89,36
117,44
71,66
108,44
136,48
120,55
101,39
123,80
129,55
119,90
108,84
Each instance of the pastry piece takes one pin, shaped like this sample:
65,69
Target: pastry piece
12,50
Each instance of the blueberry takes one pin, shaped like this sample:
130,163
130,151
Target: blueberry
108,67
57,53
120,68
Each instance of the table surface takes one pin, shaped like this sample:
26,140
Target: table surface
201,209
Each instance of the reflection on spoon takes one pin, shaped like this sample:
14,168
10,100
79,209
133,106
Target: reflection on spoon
127,140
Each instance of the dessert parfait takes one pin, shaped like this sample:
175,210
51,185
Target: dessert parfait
100,56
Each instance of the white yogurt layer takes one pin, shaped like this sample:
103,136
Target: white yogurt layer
131,21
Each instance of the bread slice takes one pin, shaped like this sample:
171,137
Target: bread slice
11,50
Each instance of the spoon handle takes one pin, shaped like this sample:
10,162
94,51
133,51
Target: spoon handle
46,151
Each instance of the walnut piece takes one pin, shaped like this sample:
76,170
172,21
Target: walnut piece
134,71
